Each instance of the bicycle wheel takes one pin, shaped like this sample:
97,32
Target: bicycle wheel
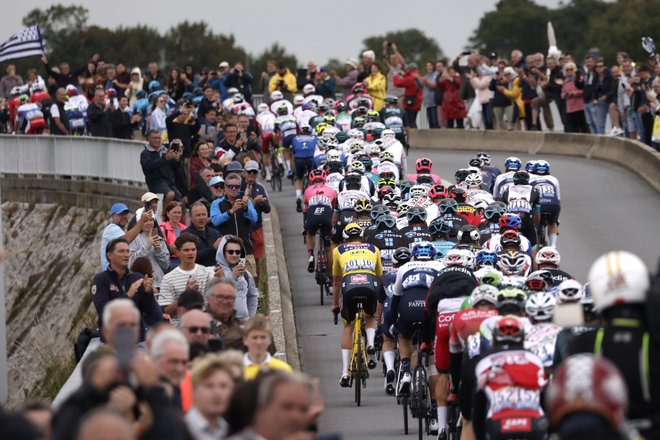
421,396
358,380
404,403
278,182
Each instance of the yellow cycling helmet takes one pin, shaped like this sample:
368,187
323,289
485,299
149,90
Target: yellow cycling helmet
352,230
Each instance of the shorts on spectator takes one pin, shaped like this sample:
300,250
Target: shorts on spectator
258,248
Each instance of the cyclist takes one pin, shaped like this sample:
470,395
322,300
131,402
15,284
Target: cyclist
514,266
345,211
569,291
343,118
468,238
302,148
424,165
542,336
387,165
485,262
356,271
394,119
490,225
30,118
297,105
449,214
359,96
307,113
309,95
548,258
277,99
366,185
509,383
619,282
286,130
266,122
386,237
524,199
508,222
363,208
502,182
439,231
334,168
549,191
416,229
365,160
489,172
320,202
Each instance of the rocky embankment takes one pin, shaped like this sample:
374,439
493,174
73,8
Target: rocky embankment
52,255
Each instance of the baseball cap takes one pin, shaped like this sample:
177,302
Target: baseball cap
148,197
234,165
118,208
223,64
215,180
191,299
232,90
252,165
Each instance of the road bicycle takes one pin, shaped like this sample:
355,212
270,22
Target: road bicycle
321,272
417,398
358,369
276,158
453,421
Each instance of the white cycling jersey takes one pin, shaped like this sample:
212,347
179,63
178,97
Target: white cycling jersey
541,339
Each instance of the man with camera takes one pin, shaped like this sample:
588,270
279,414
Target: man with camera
159,164
284,81
242,80
183,125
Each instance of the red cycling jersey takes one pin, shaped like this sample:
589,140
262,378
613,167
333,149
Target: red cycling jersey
466,323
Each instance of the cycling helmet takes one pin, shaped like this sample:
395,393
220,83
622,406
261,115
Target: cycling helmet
298,100
510,238
437,192
334,166
512,164
373,150
584,383
423,165
423,250
391,100
317,176
330,102
484,292
479,201
276,95
16,90
493,277
306,129
386,156
356,167
494,211
618,277
23,99
418,191
388,134
365,160
458,194
401,256
548,255
459,257
529,166
358,88
486,258
508,330
282,110
385,221
362,205
468,234
308,89
484,157
392,200
353,180
521,178
539,280
372,116
416,214
569,291
448,206
439,227
461,174
542,168
384,181
38,86
510,221
153,86
333,156
364,103
331,143
540,306
352,230
511,300
402,209
513,263
378,210
139,94
424,179
309,105
238,98
359,122
330,120
587,301
475,163
263,107
474,180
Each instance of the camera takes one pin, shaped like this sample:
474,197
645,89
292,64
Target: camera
389,45
175,146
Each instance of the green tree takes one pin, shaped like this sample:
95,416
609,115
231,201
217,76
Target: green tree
276,53
569,22
413,44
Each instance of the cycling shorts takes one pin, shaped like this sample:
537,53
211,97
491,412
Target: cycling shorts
35,126
550,214
266,139
319,218
387,305
303,166
516,427
345,217
288,140
447,309
356,286
411,310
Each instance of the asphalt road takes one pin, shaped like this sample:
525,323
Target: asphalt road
604,207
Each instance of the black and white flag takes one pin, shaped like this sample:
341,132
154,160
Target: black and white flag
22,44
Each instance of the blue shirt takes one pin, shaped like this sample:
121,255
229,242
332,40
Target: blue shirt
303,146
110,232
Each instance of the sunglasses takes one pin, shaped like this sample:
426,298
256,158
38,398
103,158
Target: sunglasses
202,330
233,251
253,172
218,186
233,186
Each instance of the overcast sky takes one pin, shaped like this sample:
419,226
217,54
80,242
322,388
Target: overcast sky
334,29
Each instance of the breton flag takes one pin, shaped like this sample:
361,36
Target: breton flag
22,44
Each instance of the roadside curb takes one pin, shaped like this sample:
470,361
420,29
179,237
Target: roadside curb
280,303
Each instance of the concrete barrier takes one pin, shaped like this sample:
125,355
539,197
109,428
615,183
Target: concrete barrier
633,155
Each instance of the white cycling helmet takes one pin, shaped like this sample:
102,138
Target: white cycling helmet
484,292
16,90
354,133
298,100
276,95
618,277
474,180
541,305
309,89
333,156
373,150
386,155
356,167
418,191
263,107
548,255
387,133
459,257
569,291
513,263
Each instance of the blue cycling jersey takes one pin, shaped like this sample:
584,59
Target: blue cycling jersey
303,146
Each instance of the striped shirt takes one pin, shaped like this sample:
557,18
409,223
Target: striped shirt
174,283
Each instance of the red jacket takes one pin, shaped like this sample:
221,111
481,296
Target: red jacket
411,88
453,106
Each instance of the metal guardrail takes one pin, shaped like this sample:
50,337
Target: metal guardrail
93,158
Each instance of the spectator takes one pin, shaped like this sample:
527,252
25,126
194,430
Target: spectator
209,237
257,339
62,78
205,185
393,64
453,107
500,104
236,216
158,118
284,81
135,84
59,122
122,79
195,324
624,92
169,350
528,85
209,127
221,296
158,165
98,113
264,80
171,228
480,83
231,260
86,79
207,103
428,93
412,100
9,81
212,386
510,88
175,85
183,125
602,95
103,421
153,74
325,84
232,145
572,95
240,79
350,79
200,159
115,229
187,275
640,102
259,197
584,79
376,86
123,120
247,131
368,58
40,414
148,244
118,282
190,300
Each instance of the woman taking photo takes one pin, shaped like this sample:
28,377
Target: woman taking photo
171,228
200,158
150,245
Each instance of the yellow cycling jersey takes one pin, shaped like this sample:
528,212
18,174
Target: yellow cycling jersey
356,258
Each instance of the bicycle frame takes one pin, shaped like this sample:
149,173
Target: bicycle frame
358,364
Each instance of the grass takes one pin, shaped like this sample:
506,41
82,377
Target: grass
263,288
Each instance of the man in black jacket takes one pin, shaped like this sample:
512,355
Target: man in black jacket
179,127
240,79
59,122
259,197
158,165
123,121
99,115
209,237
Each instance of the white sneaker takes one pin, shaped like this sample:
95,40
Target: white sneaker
616,131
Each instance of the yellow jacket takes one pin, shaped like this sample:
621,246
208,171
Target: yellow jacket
289,78
377,87
250,369
515,95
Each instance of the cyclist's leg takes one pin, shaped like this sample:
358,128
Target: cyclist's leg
553,224
348,311
286,145
442,365
266,145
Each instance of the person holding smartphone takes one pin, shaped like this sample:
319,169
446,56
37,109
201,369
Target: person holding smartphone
231,260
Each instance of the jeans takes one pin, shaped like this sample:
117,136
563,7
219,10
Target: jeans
411,118
432,116
590,114
602,110
487,116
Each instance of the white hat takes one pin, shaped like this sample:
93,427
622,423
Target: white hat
369,54
223,64
148,197
252,165
352,62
